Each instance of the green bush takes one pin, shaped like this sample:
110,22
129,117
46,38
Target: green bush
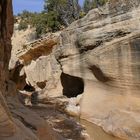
22,25
97,3
53,5
39,21
90,4
53,21
66,11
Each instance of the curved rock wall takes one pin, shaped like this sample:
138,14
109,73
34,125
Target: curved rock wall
15,119
7,127
103,49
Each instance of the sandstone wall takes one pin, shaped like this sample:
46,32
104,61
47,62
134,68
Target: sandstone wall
15,119
103,49
7,127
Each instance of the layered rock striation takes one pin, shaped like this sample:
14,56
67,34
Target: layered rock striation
16,121
7,127
103,48
99,56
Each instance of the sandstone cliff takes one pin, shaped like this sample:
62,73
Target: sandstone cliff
103,48
99,56
7,127
16,121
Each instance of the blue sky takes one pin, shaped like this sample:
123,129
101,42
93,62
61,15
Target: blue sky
30,5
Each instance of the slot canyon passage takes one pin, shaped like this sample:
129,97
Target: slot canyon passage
81,83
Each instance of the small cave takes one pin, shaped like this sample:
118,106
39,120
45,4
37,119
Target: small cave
14,75
72,86
34,98
97,72
41,85
29,88
34,94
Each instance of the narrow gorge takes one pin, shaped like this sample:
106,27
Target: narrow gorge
72,84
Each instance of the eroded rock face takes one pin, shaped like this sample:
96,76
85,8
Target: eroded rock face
15,119
19,39
7,127
103,49
41,68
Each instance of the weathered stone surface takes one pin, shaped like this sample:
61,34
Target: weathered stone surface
16,125
69,10
103,48
7,127
19,39
30,119
41,66
38,48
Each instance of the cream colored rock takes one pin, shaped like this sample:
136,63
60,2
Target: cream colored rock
43,69
103,48
19,39
15,119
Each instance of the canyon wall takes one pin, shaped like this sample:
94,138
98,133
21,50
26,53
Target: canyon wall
103,48
7,127
98,55
16,121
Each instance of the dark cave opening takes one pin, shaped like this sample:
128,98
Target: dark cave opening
41,85
72,85
34,94
29,88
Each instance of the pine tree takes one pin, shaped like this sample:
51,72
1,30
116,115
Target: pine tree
90,4
66,10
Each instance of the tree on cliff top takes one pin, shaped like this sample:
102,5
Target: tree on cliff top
56,15
90,4
66,10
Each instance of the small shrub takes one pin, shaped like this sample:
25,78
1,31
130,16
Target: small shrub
82,14
39,21
22,25
24,46
53,21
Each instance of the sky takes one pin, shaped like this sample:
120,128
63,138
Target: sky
30,5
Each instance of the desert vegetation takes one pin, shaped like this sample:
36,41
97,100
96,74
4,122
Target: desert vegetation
56,15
